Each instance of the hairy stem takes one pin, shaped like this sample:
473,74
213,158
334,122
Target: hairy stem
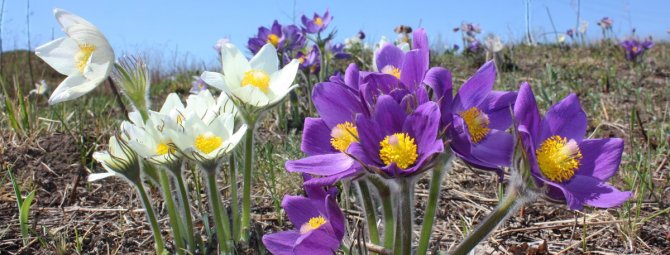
158,238
188,218
403,234
175,222
220,215
370,212
246,191
433,197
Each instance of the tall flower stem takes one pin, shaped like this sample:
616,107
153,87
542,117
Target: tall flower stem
370,212
119,99
220,216
234,203
511,203
433,196
404,223
246,190
387,207
158,238
175,221
186,205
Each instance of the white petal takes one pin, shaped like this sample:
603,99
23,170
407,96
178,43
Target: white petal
67,19
283,79
73,87
234,65
236,138
279,97
266,59
99,176
59,54
136,118
252,96
214,79
171,102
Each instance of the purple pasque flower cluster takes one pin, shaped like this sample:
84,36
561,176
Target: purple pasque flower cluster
396,121
316,24
311,61
569,168
606,23
469,32
634,48
285,39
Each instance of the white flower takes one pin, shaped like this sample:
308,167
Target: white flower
207,141
257,82
493,43
583,27
84,55
150,142
40,88
118,160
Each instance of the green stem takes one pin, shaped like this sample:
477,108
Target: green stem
433,197
512,201
403,234
370,214
387,208
186,205
158,238
246,192
220,215
175,222
234,202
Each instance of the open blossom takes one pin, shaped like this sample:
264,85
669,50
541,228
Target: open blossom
635,48
256,83
283,38
407,66
606,22
197,85
319,225
118,160
310,62
573,170
318,23
84,56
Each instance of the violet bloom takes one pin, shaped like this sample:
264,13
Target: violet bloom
479,118
394,143
570,32
283,38
317,23
197,85
361,35
310,62
409,67
337,49
634,48
606,23
319,222
327,140
292,38
474,46
573,169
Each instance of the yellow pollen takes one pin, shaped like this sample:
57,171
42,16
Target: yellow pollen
318,21
477,123
392,70
83,55
258,79
273,39
558,158
208,143
312,224
164,148
301,59
343,135
635,49
400,149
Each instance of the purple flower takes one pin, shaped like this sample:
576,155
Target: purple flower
361,35
574,170
634,48
394,143
470,29
283,38
337,49
479,118
408,67
606,22
570,32
319,222
197,85
311,61
328,139
317,23
474,46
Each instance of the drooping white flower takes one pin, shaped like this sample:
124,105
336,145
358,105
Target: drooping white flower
257,82
118,160
83,55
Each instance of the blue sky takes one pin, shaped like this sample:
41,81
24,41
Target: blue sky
190,28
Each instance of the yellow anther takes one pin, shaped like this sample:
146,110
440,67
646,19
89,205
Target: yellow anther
558,158
400,149
477,123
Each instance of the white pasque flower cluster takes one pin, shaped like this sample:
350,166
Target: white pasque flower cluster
84,56
203,131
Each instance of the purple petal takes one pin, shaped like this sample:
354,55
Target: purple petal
332,179
300,209
281,243
317,242
335,103
369,136
591,191
376,84
389,55
335,217
526,114
566,119
325,164
439,79
316,137
498,106
601,157
413,68
477,88
389,115
422,125
352,76
495,149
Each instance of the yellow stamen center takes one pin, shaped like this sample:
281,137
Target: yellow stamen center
635,49
312,224
318,21
83,55
258,79
273,39
301,59
400,149
343,135
558,158
164,148
477,123
208,142
392,70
